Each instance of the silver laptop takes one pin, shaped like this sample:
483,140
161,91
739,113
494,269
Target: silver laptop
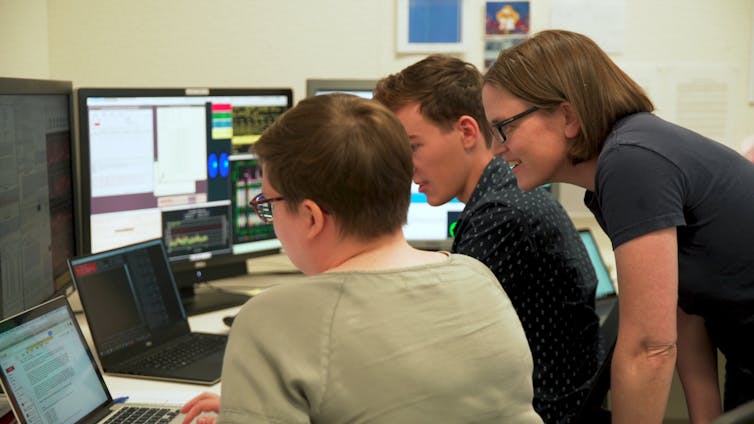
50,376
137,320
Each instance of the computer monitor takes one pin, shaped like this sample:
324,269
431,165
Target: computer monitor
427,227
37,195
174,163
358,87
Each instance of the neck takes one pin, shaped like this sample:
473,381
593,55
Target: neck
581,175
387,252
479,161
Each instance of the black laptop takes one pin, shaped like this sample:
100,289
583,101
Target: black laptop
50,376
136,317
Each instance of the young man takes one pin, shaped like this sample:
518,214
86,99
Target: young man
526,239
379,332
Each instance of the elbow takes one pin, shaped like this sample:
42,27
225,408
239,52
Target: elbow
655,353
660,351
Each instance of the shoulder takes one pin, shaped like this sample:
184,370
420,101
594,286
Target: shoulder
647,134
310,295
472,266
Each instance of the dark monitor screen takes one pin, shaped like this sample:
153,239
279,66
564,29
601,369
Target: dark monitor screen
427,226
37,196
175,164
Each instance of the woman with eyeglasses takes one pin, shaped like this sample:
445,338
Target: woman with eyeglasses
677,207
378,332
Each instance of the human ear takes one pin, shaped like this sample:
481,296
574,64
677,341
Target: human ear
469,128
315,218
572,120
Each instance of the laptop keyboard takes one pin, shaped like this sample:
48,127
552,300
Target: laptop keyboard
184,353
135,414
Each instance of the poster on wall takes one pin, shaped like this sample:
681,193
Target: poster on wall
425,26
506,24
507,18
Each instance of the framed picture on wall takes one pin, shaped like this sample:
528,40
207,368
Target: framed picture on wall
427,26
507,18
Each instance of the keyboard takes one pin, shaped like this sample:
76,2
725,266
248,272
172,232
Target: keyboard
135,414
178,355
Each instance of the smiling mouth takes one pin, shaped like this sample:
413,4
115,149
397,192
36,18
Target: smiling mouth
514,163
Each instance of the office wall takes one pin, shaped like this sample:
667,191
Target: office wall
24,50
282,43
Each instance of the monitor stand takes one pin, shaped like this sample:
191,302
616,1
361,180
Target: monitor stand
198,297
199,300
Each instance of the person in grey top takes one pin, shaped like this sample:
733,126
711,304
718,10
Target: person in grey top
525,238
378,332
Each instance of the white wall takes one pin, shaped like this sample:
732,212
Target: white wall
268,43
24,50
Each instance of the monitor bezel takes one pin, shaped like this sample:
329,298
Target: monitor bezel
314,85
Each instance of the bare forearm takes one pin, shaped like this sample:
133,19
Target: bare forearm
641,384
697,367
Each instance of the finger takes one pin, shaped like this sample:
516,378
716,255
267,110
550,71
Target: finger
206,420
188,405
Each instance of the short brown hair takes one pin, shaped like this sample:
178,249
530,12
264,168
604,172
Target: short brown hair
349,155
445,87
557,66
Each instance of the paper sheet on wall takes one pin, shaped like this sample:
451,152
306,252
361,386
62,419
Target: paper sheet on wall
696,96
603,21
703,98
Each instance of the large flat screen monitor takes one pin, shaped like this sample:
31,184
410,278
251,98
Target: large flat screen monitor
427,227
37,195
175,164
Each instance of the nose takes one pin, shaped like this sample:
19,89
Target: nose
498,149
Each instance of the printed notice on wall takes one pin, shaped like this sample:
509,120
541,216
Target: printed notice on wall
603,21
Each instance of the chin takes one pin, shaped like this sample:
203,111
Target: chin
526,185
437,202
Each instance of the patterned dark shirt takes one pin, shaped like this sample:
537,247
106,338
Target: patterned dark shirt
531,245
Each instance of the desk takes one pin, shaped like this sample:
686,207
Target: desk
264,272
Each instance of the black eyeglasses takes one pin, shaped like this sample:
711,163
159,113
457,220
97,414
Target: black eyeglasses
263,206
500,126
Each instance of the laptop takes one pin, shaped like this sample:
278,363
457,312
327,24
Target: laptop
49,374
136,318
606,294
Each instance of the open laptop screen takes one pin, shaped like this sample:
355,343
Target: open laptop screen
128,295
47,371
605,287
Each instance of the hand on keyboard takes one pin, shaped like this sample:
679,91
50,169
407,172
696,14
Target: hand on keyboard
205,402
